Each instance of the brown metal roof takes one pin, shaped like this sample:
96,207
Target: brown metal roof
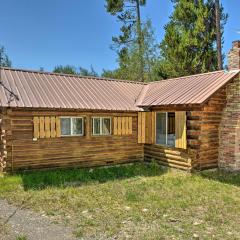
195,89
50,90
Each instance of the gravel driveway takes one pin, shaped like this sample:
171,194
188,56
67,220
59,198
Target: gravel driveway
15,222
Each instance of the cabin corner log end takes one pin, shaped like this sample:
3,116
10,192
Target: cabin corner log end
3,146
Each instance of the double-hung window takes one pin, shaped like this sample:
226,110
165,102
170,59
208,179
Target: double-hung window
72,126
165,123
101,125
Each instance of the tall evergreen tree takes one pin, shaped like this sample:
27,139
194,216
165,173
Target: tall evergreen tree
4,60
218,34
128,12
189,45
129,65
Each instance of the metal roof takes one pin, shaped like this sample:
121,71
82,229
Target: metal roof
62,91
195,89
50,90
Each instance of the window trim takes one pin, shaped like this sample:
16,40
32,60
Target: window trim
166,138
71,127
101,132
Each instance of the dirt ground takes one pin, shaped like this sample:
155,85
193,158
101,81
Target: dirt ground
17,223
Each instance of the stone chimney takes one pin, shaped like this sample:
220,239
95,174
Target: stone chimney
229,129
234,56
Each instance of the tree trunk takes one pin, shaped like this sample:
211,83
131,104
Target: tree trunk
218,35
1,57
140,41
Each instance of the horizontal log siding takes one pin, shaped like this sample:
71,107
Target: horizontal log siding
202,136
203,131
201,153
172,157
209,138
88,150
175,157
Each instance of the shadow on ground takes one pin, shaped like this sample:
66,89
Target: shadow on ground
78,177
222,176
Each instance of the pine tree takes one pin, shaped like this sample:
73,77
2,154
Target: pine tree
4,60
129,64
128,12
218,34
189,45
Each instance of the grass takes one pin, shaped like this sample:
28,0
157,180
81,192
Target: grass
21,238
133,201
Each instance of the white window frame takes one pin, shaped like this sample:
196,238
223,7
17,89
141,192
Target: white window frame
71,127
101,131
166,139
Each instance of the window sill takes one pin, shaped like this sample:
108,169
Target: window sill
72,136
101,135
167,146
170,147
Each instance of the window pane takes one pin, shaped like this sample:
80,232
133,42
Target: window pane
171,129
106,126
77,126
96,125
65,126
161,128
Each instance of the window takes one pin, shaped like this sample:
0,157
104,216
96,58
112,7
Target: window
165,124
71,126
101,125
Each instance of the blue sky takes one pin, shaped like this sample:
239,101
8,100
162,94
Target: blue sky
46,33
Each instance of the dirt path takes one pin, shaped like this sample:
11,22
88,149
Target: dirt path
15,222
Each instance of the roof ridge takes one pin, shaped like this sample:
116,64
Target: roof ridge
73,75
194,75
141,95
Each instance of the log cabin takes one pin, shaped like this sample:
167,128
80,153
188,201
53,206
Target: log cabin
50,120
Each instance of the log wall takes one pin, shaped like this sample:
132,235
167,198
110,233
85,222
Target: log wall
22,152
176,157
171,157
203,131
87,150
203,124
209,137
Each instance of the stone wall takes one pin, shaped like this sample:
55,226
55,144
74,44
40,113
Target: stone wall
229,151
